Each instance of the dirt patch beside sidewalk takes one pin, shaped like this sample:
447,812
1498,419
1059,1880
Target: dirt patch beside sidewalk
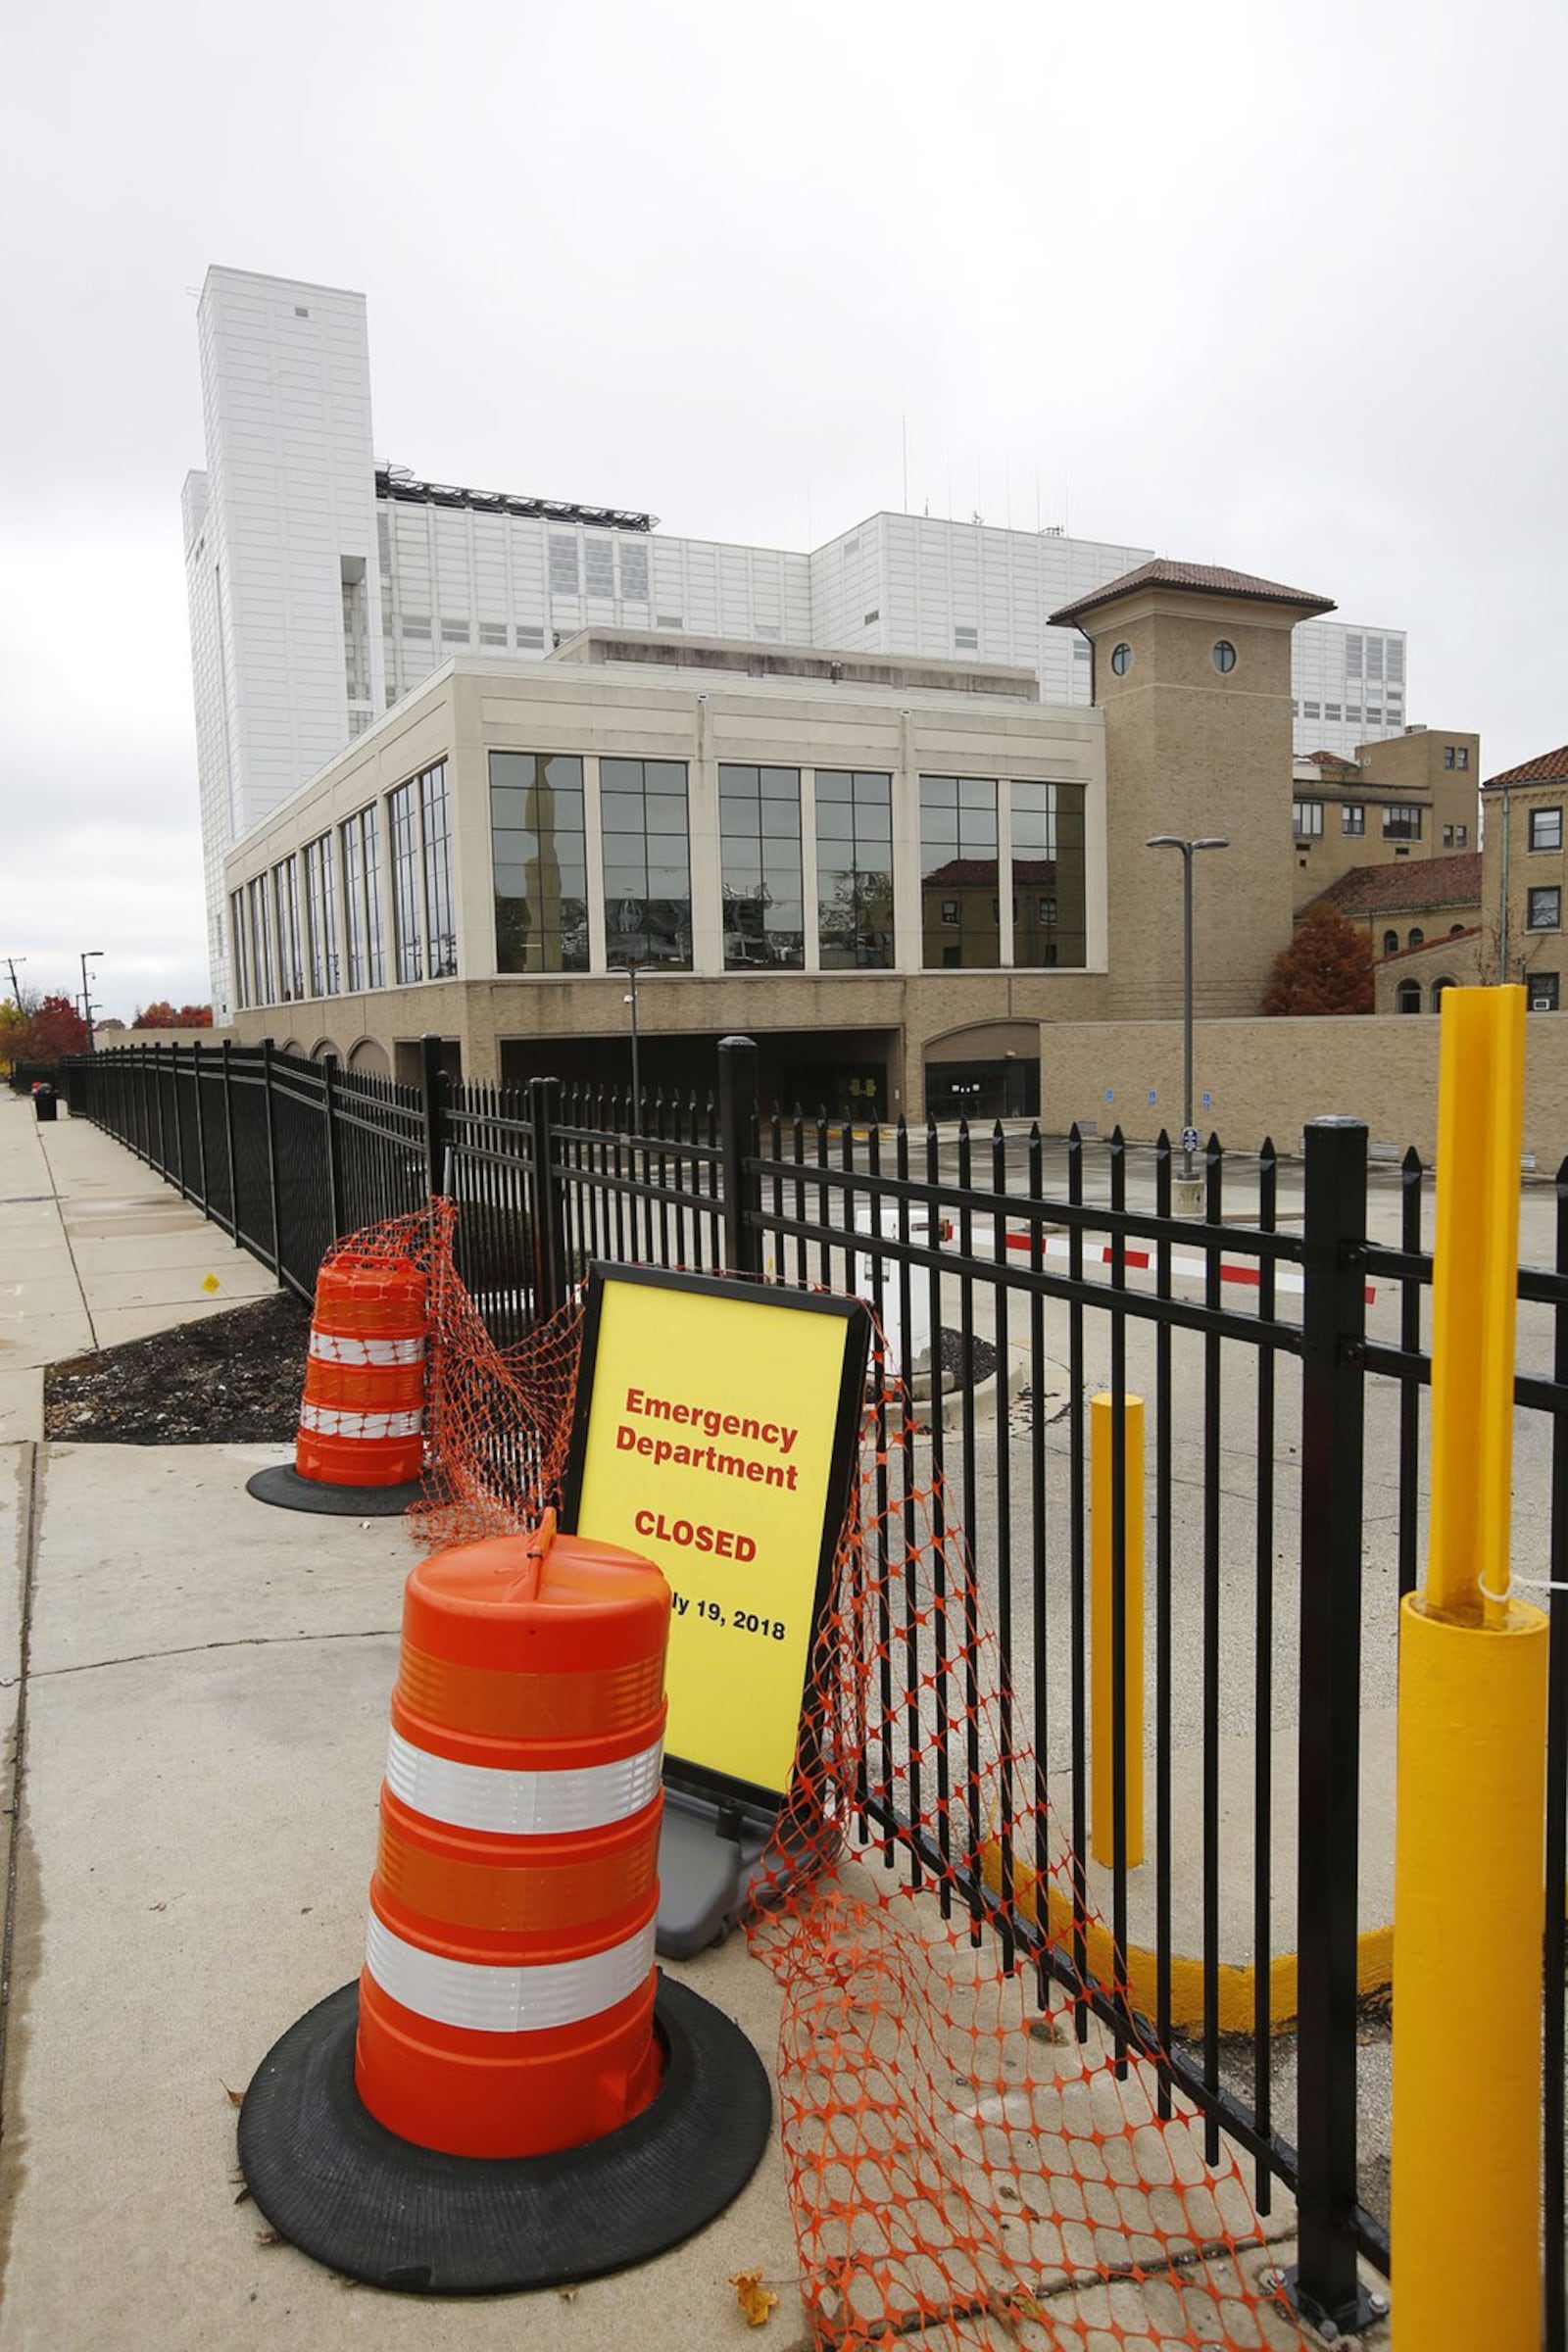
233,1378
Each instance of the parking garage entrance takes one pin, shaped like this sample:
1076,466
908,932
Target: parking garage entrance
989,1072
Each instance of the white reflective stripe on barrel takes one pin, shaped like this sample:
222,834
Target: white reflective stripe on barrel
336,1348
506,2000
521,1805
328,1422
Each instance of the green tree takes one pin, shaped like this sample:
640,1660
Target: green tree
1326,968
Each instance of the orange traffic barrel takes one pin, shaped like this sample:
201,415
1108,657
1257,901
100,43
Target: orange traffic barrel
511,2095
359,1446
505,2007
361,1417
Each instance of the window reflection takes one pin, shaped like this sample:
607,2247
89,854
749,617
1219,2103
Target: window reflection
959,908
1048,920
647,887
760,849
539,862
855,870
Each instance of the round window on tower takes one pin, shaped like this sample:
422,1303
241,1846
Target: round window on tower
1224,654
1121,659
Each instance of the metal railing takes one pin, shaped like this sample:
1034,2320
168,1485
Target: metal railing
1280,1348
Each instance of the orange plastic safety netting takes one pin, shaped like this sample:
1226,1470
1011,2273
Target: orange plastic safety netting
972,2157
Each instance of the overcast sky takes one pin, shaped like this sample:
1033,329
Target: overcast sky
1276,287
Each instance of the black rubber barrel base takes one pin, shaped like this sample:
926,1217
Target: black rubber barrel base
282,1485
345,2191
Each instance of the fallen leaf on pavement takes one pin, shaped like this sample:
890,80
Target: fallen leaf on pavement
754,2298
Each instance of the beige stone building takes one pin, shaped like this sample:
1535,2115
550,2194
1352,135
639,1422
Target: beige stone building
1413,797
894,872
1425,923
889,871
1525,882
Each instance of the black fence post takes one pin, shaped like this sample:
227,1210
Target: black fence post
737,1141
270,1110
1323,2281
433,1080
229,1137
201,1123
549,1271
334,1145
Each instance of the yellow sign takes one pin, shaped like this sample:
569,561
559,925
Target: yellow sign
714,1435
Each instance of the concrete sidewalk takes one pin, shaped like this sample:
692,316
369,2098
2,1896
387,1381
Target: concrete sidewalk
197,1690
94,1248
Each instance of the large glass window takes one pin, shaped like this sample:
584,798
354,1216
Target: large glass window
440,930
353,841
1546,828
1401,822
648,886
540,862
291,962
1048,919
375,947
239,946
855,870
320,899
760,847
261,930
1543,910
959,908
403,822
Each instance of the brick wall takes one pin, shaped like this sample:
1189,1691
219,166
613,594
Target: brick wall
1269,1077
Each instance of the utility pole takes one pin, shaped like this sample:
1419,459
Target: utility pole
88,954
1188,848
11,965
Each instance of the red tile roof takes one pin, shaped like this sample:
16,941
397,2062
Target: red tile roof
1197,579
1547,767
1407,882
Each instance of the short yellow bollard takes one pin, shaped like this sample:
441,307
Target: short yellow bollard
1469,1912
1103,1720
1467,2119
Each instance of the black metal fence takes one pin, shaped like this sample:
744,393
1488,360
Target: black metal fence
1279,1341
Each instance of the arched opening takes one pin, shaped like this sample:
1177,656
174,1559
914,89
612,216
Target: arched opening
991,1071
1390,943
1418,939
369,1055
1437,987
1456,930
1407,998
323,1046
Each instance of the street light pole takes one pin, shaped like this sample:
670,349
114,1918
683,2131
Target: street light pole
88,955
636,1074
1177,841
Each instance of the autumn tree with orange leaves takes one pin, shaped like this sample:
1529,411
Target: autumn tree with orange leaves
1326,968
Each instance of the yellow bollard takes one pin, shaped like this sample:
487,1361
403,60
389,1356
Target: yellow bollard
1102,1830
1471,1755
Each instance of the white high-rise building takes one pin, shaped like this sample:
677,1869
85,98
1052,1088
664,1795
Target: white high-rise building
323,587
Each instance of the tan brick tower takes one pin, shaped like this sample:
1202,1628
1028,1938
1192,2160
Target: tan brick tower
1192,667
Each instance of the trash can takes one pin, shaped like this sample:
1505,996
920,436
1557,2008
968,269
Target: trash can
45,1102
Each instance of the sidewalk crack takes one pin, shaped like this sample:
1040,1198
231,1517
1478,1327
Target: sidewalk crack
192,1649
